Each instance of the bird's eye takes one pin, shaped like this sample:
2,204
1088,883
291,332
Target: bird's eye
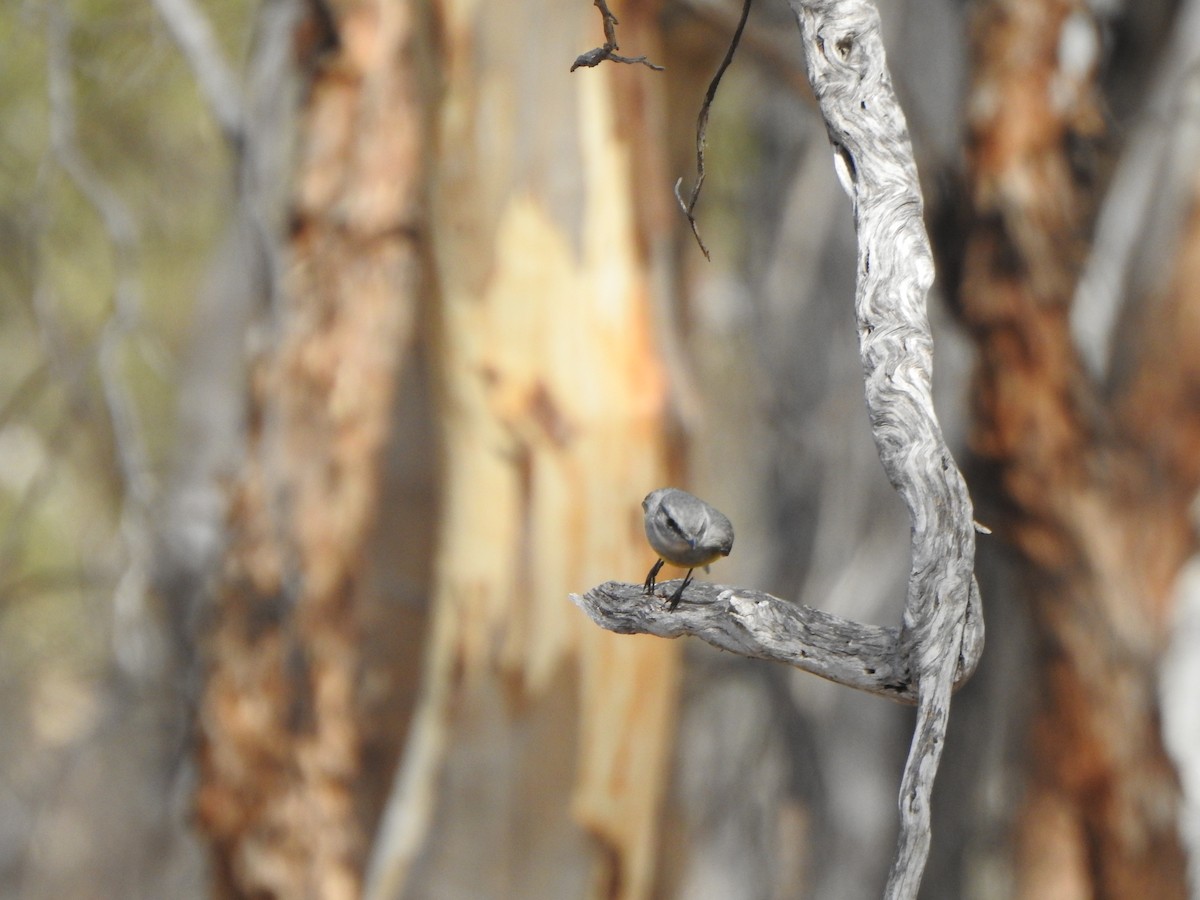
674,526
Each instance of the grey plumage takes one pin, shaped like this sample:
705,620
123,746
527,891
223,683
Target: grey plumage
684,531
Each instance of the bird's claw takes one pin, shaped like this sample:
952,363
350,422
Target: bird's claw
648,586
674,599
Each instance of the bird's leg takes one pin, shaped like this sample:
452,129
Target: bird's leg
678,595
648,587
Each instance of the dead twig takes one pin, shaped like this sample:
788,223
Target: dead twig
702,130
608,51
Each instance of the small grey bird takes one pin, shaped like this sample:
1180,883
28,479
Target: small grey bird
684,531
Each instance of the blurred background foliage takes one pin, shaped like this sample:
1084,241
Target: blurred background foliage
114,184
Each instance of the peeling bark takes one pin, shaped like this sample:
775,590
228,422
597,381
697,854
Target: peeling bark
1092,492
552,408
281,738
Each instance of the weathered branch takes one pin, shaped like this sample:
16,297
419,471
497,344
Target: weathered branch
941,637
848,70
759,625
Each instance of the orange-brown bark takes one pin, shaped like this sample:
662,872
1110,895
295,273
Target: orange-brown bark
1069,478
280,734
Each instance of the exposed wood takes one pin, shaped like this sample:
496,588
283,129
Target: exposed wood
755,624
552,406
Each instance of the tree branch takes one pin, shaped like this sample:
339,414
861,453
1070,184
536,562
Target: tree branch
941,637
134,643
759,625
597,55
193,32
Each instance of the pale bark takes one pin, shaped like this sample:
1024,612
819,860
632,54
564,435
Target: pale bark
751,623
552,407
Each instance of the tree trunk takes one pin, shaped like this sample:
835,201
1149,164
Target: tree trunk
1077,478
553,406
281,735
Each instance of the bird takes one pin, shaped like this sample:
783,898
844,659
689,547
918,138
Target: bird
684,531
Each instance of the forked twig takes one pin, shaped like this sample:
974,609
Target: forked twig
608,50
